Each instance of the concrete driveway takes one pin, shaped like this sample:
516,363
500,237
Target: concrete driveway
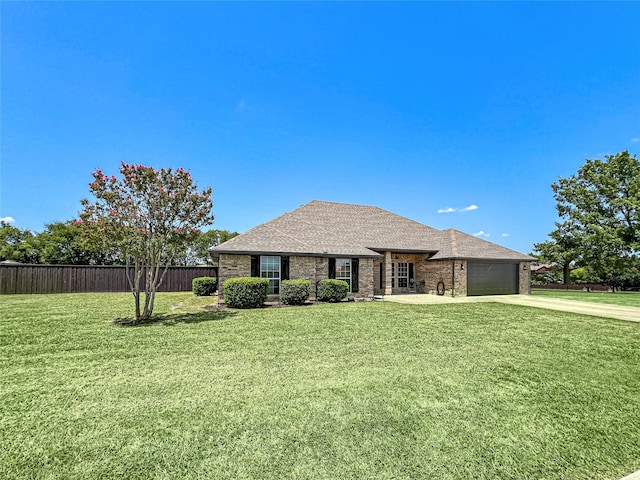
587,308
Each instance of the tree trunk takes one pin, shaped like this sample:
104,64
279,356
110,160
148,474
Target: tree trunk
134,283
566,274
136,296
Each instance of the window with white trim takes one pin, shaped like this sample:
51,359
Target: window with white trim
400,275
403,275
270,268
343,270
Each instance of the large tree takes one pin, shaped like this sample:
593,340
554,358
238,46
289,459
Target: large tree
600,205
149,217
562,250
197,252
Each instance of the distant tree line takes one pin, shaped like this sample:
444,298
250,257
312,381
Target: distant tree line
63,243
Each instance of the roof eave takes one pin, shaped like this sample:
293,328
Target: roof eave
404,250
485,259
296,254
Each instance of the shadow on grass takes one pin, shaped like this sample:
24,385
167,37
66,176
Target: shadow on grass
171,319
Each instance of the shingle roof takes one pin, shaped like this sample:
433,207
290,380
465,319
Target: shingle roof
457,244
339,229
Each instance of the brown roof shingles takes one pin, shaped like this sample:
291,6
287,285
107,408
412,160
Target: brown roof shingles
462,245
338,229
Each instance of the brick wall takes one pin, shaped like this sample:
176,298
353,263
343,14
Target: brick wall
524,278
309,268
441,270
427,274
365,278
378,264
231,266
313,269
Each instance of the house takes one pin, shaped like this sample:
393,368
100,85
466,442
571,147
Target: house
375,251
545,268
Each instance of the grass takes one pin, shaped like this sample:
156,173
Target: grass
626,299
358,390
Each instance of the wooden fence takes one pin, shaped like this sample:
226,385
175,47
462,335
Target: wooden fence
88,278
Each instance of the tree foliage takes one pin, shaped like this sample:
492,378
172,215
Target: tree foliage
600,208
197,252
17,245
62,243
149,217
563,249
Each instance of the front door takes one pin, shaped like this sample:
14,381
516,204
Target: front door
402,278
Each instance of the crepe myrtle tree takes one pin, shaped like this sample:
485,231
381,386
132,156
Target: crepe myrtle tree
149,216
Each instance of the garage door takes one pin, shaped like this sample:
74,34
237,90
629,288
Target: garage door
484,278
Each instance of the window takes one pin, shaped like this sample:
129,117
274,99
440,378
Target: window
346,269
400,273
343,270
270,268
403,275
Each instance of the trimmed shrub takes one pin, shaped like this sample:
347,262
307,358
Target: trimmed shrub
330,290
204,286
245,292
294,292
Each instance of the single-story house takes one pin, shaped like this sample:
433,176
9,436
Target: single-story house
375,251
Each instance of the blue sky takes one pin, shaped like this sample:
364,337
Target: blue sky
457,115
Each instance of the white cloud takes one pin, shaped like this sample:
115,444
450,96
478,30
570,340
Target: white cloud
481,234
241,106
635,139
7,220
505,234
464,209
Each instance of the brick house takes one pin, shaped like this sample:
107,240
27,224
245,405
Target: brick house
375,251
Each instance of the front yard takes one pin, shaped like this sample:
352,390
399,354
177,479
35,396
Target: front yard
357,390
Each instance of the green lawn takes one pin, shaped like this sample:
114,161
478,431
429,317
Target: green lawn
355,390
627,299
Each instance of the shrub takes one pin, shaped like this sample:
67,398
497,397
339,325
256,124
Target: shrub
204,286
294,292
330,290
245,292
